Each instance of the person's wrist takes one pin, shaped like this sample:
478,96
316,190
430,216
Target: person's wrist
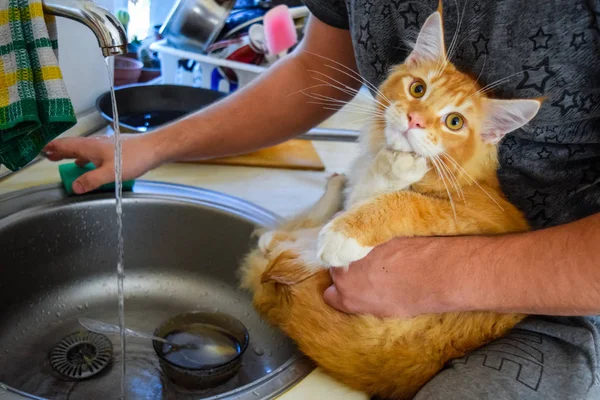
473,284
161,146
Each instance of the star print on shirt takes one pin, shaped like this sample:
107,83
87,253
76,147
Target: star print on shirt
377,64
552,139
538,199
509,161
544,154
480,46
536,77
538,131
540,219
510,142
460,53
365,35
566,102
586,103
367,5
540,40
386,11
575,149
410,16
477,7
578,40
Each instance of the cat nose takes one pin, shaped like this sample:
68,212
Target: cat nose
415,121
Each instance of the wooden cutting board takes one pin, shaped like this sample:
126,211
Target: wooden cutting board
293,154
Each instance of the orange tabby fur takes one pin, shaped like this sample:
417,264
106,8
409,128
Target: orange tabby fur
392,358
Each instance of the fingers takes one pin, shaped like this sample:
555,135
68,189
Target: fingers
94,179
333,298
69,148
82,162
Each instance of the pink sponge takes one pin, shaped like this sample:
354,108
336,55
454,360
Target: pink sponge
280,32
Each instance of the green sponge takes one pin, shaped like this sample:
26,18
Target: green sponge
70,172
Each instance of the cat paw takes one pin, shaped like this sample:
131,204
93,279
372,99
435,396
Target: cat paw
336,182
265,241
337,250
409,167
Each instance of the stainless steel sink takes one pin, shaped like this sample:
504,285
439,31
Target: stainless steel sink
182,249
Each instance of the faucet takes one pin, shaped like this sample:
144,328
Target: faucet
107,28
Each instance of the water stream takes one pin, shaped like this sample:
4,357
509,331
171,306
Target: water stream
120,244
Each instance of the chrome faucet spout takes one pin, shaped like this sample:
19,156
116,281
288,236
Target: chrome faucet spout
107,28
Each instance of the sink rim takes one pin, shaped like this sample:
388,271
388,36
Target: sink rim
141,188
278,381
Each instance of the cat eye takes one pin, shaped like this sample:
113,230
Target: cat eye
455,121
418,88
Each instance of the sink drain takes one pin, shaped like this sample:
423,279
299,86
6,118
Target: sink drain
81,355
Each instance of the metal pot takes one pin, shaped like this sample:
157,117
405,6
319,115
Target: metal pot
145,107
196,23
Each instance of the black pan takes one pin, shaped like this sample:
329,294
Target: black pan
145,107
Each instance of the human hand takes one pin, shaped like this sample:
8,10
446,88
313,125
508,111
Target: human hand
402,278
138,155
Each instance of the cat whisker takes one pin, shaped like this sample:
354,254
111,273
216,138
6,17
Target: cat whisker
452,178
480,73
341,109
497,83
347,106
354,74
318,96
460,17
437,167
366,120
452,46
458,166
364,82
308,88
347,89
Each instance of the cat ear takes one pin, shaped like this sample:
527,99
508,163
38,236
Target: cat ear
505,116
430,42
286,269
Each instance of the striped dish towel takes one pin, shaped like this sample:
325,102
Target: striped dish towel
34,103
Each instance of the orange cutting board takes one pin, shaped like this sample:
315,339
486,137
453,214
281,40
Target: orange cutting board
293,154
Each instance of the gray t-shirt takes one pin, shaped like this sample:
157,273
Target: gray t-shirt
550,169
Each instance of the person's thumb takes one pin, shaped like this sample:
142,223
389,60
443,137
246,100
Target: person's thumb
333,298
93,180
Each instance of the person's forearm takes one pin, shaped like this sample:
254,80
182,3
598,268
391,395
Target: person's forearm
271,109
554,271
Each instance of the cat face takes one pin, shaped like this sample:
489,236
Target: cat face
430,108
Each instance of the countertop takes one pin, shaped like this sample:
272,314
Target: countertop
284,192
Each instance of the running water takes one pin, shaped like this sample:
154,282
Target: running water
119,202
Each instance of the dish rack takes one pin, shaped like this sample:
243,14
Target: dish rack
183,67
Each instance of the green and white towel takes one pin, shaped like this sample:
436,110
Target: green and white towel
34,103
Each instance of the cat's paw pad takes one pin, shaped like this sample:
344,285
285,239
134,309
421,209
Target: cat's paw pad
337,250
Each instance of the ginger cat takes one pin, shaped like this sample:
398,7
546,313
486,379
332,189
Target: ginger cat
431,146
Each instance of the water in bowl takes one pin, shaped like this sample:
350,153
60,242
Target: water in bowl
151,119
212,346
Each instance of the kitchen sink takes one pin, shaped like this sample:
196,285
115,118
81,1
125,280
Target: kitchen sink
182,249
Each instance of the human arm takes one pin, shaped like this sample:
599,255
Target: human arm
268,111
554,271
